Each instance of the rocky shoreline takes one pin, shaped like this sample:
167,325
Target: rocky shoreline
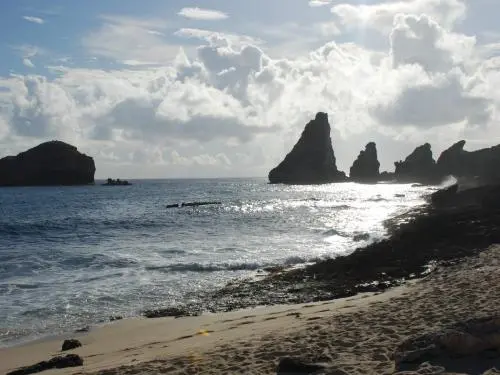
427,237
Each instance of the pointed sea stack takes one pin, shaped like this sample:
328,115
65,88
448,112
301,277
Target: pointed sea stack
419,166
50,163
312,160
366,168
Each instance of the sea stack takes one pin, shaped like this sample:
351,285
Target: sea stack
366,168
50,163
419,166
312,160
481,165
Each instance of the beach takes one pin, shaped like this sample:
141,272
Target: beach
354,335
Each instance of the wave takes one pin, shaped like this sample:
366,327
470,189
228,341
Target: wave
377,199
211,267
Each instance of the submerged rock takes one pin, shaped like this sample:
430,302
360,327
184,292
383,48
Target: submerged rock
312,160
419,166
366,167
50,163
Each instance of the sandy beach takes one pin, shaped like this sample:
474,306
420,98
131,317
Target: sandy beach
356,335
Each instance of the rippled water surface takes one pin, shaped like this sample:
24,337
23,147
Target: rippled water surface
73,256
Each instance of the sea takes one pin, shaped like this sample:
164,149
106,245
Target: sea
71,257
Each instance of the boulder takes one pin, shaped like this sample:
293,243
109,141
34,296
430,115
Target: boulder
70,344
366,167
50,163
312,160
475,342
419,166
480,166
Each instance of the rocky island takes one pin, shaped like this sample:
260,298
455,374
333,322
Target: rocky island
48,164
312,160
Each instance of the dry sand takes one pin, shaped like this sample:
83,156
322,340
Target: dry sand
356,335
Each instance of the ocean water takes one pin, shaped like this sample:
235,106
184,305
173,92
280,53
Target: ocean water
73,256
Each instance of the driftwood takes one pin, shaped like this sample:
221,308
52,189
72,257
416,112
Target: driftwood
191,204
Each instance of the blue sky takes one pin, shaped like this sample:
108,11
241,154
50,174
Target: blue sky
160,88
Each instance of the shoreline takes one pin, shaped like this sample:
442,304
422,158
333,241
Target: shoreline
450,237
254,275
355,335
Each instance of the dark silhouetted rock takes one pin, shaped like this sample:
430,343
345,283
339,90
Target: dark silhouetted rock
117,182
481,165
70,360
366,167
50,163
70,344
312,160
291,366
419,166
386,176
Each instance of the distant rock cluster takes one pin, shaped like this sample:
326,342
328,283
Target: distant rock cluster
50,163
312,161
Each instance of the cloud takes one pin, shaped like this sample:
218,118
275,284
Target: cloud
131,41
217,37
231,107
318,3
440,88
28,52
202,14
28,63
380,16
32,19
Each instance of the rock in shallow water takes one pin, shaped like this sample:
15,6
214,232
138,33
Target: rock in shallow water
70,360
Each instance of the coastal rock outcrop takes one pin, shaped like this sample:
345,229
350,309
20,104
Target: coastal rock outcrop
476,341
50,163
366,167
419,166
481,165
312,160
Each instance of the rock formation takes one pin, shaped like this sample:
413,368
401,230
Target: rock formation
419,166
312,160
366,166
70,344
473,343
50,163
481,165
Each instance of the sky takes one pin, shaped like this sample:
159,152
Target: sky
223,88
